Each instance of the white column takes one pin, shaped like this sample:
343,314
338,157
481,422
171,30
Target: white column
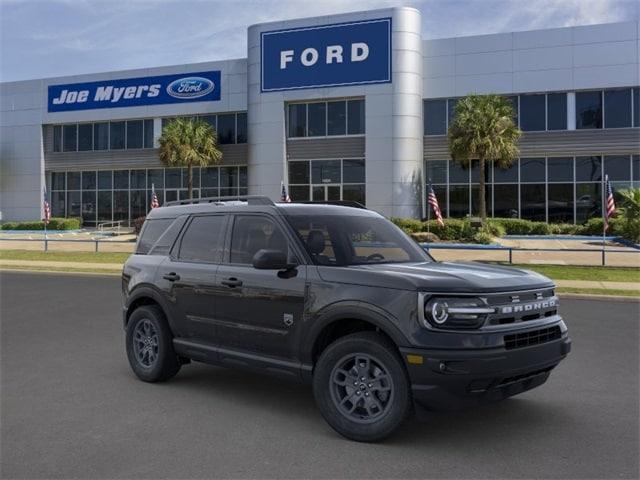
571,111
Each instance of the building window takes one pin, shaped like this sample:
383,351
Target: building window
355,117
116,135
241,128
337,118
70,138
533,202
452,103
226,128
588,201
317,119
148,133
617,108
135,134
505,200
560,169
588,169
105,180
325,180
532,170
57,138
618,167
85,137
101,136
636,107
533,112
435,117
589,110
321,119
556,111
298,120
436,171
458,200
560,202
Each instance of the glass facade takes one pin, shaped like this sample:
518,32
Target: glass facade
325,180
230,127
552,189
326,119
110,195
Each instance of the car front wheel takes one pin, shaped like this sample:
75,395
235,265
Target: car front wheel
361,387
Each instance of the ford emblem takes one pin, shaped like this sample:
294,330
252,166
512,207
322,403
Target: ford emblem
190,87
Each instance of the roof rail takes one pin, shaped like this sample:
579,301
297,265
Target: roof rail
341,203
250,199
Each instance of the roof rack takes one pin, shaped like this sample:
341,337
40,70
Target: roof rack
250,199
341,203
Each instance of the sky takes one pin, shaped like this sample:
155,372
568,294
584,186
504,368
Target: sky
49,38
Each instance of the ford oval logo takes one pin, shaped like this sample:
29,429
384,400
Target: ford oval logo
190,87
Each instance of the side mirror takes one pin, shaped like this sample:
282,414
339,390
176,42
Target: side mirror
270,260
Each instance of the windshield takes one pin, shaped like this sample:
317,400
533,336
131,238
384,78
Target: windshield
341,240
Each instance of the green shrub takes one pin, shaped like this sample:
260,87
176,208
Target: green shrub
55,223
425,237
494,228
483,236
137,224
409,225
563,229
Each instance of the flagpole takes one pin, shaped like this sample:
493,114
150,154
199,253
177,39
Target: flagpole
428,208
603,198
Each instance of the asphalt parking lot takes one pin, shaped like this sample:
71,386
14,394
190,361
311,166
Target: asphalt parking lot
71,408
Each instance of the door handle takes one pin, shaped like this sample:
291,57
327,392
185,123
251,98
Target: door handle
172,277
232,282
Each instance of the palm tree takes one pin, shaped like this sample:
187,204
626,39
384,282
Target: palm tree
484,129
189,142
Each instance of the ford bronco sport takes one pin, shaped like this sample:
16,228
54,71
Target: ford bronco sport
338,297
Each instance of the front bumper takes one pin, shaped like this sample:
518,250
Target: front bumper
453,379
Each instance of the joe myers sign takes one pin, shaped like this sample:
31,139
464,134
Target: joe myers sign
352,53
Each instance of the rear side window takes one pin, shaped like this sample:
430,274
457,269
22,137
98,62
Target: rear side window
168,238
151,232
203,240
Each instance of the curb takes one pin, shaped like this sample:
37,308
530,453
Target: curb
598,297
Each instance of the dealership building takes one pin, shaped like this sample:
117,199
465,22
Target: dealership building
343,107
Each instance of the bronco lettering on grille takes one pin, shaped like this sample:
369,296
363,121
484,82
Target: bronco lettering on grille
528,307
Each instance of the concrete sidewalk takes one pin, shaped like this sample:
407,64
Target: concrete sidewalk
117,268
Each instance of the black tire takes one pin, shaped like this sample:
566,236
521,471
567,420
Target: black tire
335,387
148,331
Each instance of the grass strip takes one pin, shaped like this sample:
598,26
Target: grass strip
55,256
599,291
579,272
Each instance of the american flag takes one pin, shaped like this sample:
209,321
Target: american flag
433,201
609,202
154,197
46,208
284,196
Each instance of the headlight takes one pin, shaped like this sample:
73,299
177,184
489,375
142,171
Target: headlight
456,312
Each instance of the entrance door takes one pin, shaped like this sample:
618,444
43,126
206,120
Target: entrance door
325,193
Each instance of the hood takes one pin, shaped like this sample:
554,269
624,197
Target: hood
450,277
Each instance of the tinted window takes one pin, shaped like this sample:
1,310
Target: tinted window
148,134
505,199
636,107
298,120
506,175
618,167
135,134
104,180
203,240
560,169
325,171
437,171
317,115
458,200
156,178
73,180
252,233
635,160
89,180
116,135
138,179
338,240
556,111
355,117
101,136
532,170
241,132
560,202
353,171
532,112
354,193
70,137
163,245
588,169
617,108
588,201
589,109
57,181
451,109
172,177
435,117
57,138
299,172
227,128
457,174
337,118
209,177
532,202
514,103
121,179
85,137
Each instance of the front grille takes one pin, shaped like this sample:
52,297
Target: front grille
534,337
519,307
523,377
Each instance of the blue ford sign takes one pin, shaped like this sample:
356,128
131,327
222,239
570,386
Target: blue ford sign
352,53
134,92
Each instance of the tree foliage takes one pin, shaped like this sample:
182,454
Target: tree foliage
189,143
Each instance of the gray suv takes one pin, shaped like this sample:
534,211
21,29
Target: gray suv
338,297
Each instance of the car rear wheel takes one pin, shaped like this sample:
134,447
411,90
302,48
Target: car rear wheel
150,345
361,387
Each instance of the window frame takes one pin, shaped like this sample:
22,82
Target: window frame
326,102
174,254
